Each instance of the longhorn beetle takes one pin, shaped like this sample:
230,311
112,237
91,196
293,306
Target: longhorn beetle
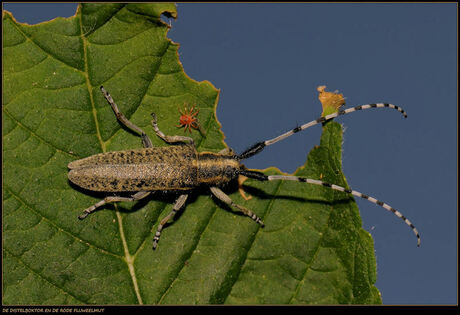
182,168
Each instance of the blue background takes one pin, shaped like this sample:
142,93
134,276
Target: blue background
268,59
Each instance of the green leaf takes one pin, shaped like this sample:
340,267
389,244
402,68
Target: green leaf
312,249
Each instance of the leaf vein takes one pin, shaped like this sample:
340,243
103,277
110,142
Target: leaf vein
315,254
43,88
42,276
29,68
43,50
248,248
187,256
124,40
36,135
56,226
143,97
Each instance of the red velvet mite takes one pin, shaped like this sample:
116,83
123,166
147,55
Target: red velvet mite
188,118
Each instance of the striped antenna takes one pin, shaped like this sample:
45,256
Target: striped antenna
261,145
338,188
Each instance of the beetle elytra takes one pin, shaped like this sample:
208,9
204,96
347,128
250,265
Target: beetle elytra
181,168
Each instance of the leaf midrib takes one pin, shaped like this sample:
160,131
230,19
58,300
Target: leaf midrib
127,257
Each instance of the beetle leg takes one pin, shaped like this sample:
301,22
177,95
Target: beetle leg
137,196
122,118
179,203
241,180
226,199
169,139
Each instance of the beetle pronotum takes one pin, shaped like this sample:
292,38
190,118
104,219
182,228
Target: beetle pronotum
182,168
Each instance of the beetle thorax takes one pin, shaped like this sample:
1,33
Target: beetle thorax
216,169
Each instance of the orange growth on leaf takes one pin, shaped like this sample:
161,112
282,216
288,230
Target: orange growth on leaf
331,101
